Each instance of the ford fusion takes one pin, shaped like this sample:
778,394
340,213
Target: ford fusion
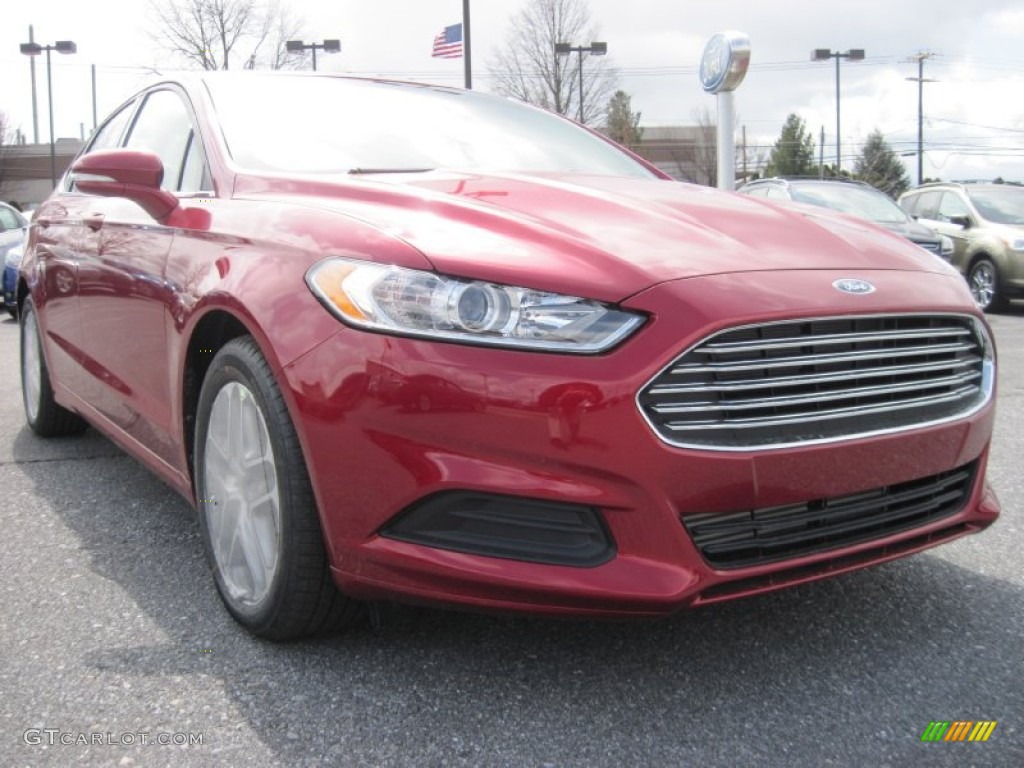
404,342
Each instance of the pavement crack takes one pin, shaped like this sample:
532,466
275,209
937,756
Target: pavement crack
55,459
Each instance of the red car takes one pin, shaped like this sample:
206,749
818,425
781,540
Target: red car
398,341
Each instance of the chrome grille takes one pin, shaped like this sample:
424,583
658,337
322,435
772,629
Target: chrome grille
742,539
793,382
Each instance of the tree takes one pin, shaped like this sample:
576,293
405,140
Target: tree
793,154
705,149
879,166
528,69
622,124
210,33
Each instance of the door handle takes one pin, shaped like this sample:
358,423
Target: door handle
94,222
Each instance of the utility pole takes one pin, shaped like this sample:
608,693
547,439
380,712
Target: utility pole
920,80
35,108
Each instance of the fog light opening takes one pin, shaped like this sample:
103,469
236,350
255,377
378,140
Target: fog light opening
507,527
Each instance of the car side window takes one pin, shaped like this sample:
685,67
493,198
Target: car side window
8,220
950,206
926,205
164,127
110,133
776,193
757,192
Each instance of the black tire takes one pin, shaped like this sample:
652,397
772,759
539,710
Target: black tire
985,285
295,596
12,312
44,416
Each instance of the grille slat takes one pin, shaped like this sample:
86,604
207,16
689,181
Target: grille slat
821,378
838,357
743,539
839,338
841,394
792,382
835,413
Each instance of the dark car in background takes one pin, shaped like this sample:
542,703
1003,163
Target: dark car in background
855,198
13,226
986,224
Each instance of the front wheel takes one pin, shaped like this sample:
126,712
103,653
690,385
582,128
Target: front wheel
256,507
45,417
983,280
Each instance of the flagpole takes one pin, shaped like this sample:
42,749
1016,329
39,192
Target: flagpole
467,50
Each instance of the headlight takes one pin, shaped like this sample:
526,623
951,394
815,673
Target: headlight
415,303
13,257
1015,243
946,245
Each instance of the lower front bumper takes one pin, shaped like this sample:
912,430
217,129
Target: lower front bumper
387,422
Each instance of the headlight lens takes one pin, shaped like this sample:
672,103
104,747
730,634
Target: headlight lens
13,257
946,247
1015,243
416,303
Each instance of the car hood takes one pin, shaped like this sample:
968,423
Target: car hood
602,237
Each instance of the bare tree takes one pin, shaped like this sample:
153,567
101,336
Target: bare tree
210,33
283,26
527,68
702,155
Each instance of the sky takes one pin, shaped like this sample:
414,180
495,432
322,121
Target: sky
973,111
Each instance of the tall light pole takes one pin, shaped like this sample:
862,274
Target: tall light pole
594,49
327,46
34,49
920,80
824,54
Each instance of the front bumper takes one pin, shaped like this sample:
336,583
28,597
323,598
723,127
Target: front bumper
387,422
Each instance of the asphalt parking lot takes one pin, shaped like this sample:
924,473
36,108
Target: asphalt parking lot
112,641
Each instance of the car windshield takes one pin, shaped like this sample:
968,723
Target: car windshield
1002,206
310,124
860,201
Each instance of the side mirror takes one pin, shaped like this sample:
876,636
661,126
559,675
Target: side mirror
129,173
962,221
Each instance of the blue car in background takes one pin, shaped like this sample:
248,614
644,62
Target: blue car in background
13,226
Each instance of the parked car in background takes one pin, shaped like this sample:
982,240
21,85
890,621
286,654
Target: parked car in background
986,225
855,198
12,261
402,341
13,226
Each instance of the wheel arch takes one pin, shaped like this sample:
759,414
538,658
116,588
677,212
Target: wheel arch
210,333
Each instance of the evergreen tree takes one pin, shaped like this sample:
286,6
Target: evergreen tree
879,166
622,124
793,154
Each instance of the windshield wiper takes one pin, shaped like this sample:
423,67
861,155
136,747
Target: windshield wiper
360,171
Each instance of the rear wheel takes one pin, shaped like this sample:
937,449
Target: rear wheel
983,280
256,507
45,417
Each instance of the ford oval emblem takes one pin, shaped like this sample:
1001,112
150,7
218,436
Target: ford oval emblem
853,285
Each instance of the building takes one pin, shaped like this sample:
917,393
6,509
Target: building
25,170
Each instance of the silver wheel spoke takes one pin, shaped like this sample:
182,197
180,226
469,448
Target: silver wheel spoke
240,498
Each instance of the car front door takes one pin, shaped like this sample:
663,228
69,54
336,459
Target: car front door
124,296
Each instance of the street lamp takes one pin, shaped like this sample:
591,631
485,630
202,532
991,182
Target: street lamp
327,46
594,49
34,49
824,54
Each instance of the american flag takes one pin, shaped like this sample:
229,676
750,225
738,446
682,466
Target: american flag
448,43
